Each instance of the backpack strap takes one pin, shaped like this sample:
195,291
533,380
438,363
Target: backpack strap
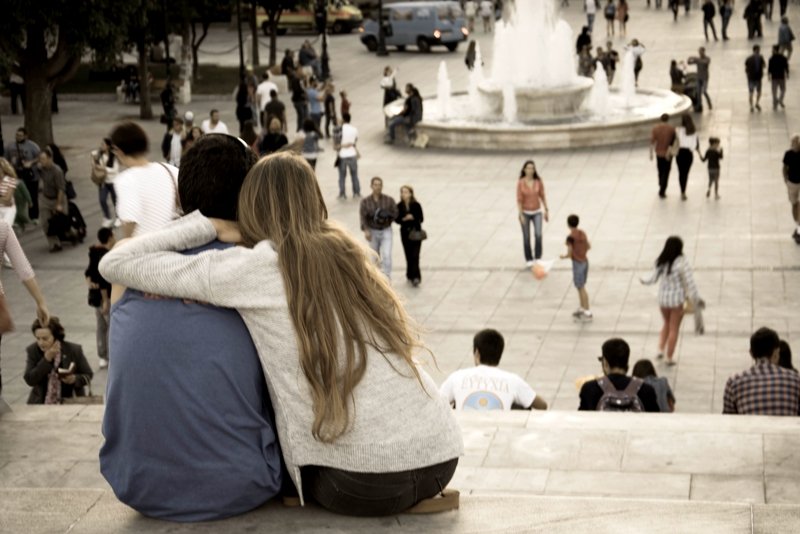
634,386
607,385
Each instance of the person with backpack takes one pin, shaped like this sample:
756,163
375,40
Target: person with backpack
615,391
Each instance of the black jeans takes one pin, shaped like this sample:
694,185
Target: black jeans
411,249
684,160
17,92
664,165
374,494
302,113
706,24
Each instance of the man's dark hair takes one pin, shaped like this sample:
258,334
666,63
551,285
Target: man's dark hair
178,120
756,48
573,221
664,117
763,342
346,117
130,139
212,173
616,352
265,76
212,112
104,234
23,130
490,344
273,94
776,49
376,179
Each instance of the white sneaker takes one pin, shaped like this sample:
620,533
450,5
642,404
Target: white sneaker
586,315
102,363
107,223
529,263
117,223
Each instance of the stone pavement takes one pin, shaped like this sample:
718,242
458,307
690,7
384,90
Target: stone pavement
473,275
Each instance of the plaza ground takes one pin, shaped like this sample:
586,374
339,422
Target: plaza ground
746,266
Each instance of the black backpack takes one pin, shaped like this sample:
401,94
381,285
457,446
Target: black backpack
619,400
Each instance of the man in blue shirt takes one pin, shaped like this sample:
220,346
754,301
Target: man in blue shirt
188,422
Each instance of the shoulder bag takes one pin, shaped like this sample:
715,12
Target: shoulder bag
98,175
418,235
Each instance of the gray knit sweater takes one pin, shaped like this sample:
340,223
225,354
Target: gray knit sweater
395,425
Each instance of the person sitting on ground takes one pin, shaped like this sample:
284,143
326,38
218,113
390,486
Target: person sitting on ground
358,418
56,369
485,387
765,388
189,434
615,391
645,370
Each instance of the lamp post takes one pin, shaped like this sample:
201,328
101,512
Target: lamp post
322,27
241,45
381,51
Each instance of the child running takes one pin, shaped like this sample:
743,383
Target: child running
577,247
713,156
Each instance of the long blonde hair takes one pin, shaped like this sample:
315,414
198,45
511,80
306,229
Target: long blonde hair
333,288
7,168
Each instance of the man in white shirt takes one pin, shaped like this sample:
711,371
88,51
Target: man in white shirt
590,6
213,124
263,94
348,157
485,387
172,144
147,193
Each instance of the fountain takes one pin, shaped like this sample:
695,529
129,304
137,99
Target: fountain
534,96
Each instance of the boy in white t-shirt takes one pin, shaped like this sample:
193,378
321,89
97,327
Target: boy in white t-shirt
147,192
485,387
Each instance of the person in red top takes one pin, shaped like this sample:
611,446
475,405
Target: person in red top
661,139
577,247
530,201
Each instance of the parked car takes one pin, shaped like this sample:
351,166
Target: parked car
423,24
343,17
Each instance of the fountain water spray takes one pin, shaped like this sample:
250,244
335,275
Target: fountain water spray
443,91
598,97
475,78
627,81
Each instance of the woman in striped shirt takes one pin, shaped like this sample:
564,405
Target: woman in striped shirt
677,284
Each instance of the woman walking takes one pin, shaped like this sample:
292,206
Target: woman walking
409,217
688,142
622,16
106,165
357,418
675,288
530,201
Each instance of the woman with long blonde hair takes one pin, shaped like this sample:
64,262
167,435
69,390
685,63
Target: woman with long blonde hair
362,427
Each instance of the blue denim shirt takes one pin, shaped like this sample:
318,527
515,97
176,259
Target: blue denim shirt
188,422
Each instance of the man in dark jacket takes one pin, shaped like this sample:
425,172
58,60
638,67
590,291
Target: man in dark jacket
754,68
778,72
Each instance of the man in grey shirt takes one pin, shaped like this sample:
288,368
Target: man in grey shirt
702,61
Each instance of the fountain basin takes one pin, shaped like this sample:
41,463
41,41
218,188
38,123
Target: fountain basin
620,124
535,104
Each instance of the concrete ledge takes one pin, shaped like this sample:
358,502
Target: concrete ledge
96,511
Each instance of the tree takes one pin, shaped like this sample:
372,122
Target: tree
45,41
202,12
274,9
254,35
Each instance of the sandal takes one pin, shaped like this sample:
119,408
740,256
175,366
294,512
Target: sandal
447,500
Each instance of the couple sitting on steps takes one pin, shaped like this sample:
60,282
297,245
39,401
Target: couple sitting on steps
190,422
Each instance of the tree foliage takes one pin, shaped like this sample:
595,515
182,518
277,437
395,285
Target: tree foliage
274,9
44,42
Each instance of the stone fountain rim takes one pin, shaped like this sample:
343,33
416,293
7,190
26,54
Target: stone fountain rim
581,83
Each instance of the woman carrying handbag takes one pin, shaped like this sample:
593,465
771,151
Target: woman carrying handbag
676,293
409,217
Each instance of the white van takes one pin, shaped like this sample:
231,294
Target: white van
422,24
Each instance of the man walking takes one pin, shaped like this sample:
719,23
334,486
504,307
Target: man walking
378,211
213,125
791,175
348,156
778,72
23,155
709,12
702,62
264,95
172,144
661,139
754,68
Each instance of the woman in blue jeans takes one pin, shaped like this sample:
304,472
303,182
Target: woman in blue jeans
105,164
531,204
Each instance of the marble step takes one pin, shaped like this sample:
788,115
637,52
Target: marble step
34,511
